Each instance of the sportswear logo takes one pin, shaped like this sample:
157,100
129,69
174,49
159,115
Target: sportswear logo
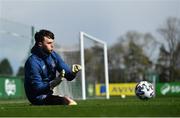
10,87
43,67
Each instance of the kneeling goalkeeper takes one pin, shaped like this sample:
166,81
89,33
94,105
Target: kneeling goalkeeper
41,72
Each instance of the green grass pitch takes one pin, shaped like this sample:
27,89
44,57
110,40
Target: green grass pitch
116,107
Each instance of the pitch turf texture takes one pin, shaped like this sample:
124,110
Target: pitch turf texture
130,106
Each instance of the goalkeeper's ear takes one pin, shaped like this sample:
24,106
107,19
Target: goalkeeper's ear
76,68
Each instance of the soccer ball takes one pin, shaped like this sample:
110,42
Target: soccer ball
144,90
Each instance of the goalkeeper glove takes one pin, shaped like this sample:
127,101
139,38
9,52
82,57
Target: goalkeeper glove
57,80
76,68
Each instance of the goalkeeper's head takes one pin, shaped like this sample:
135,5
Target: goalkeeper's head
45,40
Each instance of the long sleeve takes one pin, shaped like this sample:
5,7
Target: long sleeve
34,79
69,75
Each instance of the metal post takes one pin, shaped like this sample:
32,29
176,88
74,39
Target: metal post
106,70
83,66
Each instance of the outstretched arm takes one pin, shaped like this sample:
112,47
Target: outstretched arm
75,68
70,73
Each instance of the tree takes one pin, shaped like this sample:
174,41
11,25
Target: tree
5,67
94,63
136,62
162,65
20,71
171,33
127,60
177,62
116,63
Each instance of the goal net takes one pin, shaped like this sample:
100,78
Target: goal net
92,82
15,44
16,41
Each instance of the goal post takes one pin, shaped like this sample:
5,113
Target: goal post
93,81
82,54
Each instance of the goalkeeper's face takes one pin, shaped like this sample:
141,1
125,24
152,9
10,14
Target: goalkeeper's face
48,44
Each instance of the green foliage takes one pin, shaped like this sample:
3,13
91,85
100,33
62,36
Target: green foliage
5,67
135,56
20,71
136,62
170,32
127,61
94,63
162,65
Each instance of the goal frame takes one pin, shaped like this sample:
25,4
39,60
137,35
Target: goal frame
82,35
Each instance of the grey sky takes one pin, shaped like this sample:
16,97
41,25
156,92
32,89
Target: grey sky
104,19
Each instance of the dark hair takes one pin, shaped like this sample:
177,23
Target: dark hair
39,36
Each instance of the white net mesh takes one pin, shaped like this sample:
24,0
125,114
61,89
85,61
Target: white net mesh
15,43
94,68
71,55
94,71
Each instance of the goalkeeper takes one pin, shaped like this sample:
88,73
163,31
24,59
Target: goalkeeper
41,72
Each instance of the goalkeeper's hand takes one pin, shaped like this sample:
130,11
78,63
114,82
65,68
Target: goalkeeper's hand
57,80
62,74
76,68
